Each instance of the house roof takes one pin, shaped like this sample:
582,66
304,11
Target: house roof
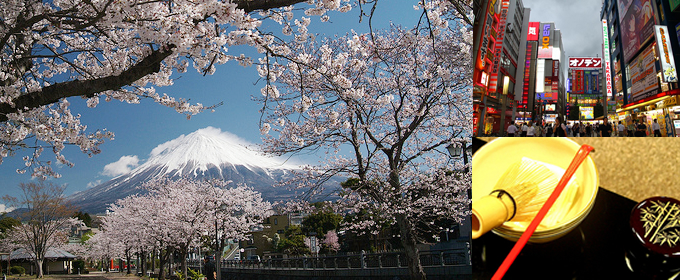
51,253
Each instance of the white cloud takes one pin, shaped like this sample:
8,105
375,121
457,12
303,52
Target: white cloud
120,167
4,208
93,184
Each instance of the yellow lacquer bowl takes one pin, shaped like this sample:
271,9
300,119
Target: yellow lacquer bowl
490,162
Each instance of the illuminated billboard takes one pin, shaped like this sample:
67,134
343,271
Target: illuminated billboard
578,82
550,117
637,27
623,7
532,32
550,107
498,47
607,61
587,113
546,96
540,69
585,62
643,76
663,43
545,46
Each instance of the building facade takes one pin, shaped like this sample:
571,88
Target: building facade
498,53
643,38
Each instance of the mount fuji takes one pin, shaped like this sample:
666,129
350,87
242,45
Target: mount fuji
204,154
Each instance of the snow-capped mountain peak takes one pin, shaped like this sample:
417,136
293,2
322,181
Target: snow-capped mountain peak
207,148
205,153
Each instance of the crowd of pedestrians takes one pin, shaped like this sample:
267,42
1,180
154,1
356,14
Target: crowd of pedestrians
579,129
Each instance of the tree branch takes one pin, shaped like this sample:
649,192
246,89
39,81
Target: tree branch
87,88
253,5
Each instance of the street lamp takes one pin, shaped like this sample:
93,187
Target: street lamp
456,150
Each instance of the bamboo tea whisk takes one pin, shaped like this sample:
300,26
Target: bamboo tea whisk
517,196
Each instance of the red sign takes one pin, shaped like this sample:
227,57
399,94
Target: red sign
498,47
532,33
577,76
487,21
585,62
491,110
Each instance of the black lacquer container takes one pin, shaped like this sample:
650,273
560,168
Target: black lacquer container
654,249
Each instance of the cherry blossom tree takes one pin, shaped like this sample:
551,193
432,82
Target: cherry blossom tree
383,105
46,221
123,50
331,241
175,215
103,247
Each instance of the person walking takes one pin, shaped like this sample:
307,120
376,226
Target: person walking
548,130
568,130
560,128
589,130
524,129
576,128
531,130
621,129
656,128
631,129
641,129
511,129
605,129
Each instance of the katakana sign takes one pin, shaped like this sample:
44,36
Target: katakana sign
585,62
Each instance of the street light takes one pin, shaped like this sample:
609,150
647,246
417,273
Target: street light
456,150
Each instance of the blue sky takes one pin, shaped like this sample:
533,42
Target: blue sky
139,128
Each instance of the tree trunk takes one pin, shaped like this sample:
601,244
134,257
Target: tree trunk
183,255
408,240
39,268
153,261
218,259
142,263
163,261
161,265
127,255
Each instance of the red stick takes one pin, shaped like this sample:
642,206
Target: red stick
581,155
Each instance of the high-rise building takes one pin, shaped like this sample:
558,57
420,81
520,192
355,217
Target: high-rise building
643,38
498,48
542,92
584,88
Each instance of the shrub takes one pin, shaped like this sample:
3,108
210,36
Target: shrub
78,264
193,275
17,270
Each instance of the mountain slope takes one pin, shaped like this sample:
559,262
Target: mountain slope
204,154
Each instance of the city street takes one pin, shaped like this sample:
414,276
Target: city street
537,63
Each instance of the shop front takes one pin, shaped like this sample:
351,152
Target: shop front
663,107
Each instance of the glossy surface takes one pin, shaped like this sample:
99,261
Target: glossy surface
656,225
596,249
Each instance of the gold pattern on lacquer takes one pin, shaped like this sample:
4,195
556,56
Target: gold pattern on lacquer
661,222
